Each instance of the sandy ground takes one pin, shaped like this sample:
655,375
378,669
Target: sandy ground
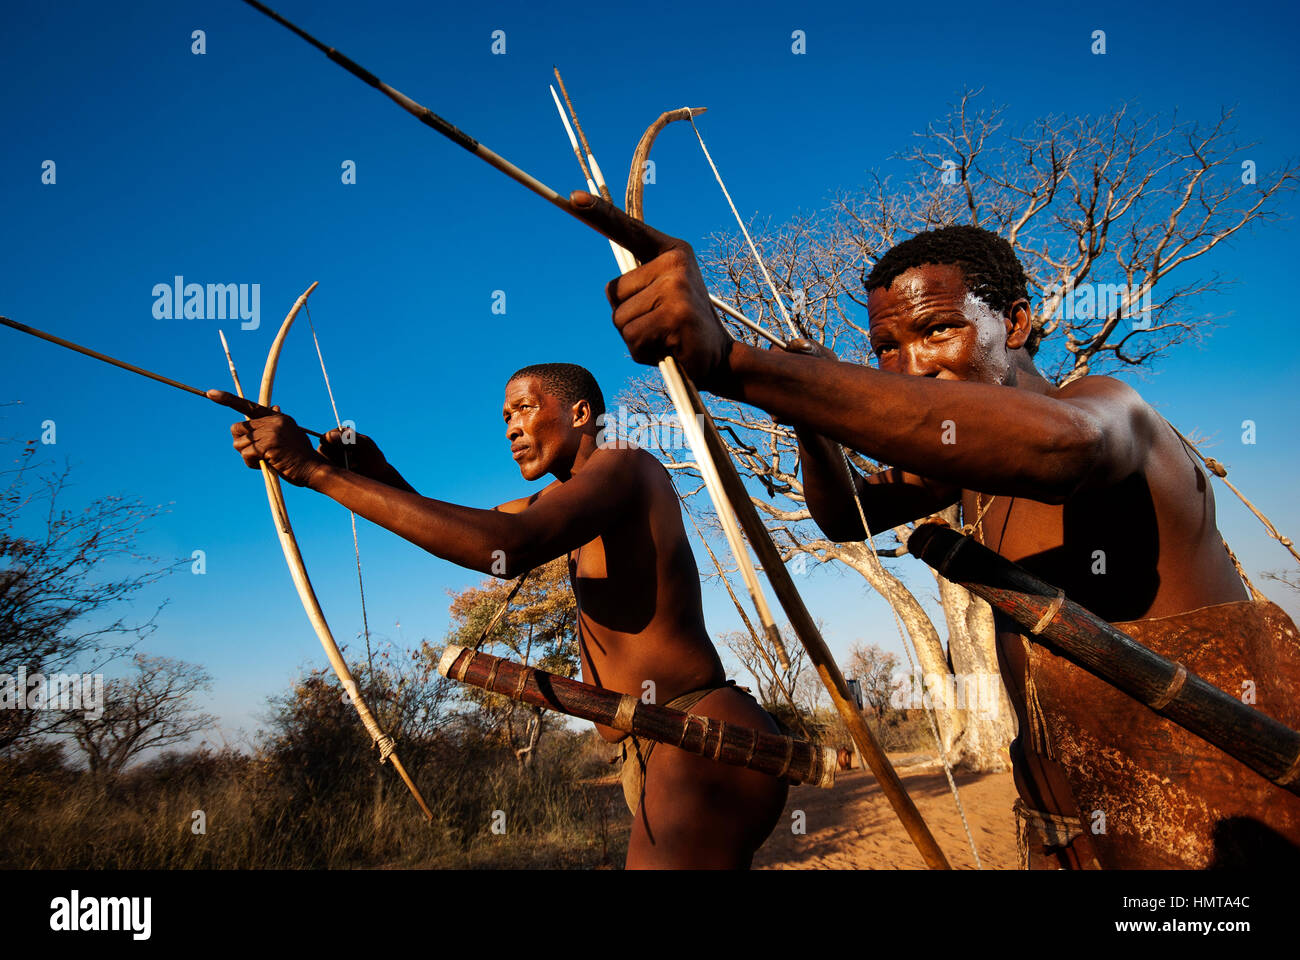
852,827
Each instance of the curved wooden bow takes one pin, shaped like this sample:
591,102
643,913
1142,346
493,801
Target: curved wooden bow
293,557
723,494
779,577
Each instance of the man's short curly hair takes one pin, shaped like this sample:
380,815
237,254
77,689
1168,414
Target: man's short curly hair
992,271
566,381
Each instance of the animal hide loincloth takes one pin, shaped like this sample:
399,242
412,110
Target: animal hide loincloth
636,752
1150,794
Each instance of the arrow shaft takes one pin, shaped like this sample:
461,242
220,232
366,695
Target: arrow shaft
23,328
462,139
427,116
246,407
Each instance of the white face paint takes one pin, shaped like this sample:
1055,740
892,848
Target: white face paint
992,338
975,304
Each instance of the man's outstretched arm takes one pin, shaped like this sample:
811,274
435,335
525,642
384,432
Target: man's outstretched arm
960,433
491,541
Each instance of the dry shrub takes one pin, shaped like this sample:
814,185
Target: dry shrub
282,809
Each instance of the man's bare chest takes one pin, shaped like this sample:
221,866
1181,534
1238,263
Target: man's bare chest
1102,549
1013,526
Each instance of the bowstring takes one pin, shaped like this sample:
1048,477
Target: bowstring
762,264
356,545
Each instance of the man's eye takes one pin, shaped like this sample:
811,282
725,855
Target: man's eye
938,327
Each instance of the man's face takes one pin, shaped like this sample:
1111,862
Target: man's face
542,429
928,324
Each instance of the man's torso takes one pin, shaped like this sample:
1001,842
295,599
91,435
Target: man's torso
1145,549
640,615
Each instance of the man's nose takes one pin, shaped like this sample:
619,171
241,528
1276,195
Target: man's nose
918,362
513,431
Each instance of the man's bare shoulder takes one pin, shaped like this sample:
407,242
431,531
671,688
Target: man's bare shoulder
1108,391
1133,437
1114,402
628,463
1097,385
625,467
638,472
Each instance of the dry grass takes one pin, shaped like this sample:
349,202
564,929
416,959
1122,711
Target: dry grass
313,798
556,814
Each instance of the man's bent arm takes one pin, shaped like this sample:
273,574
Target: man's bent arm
888,498
996,439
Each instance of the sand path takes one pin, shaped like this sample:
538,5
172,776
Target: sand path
852,826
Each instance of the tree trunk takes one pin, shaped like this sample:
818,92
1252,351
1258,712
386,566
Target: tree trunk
984,723
932,661
974,717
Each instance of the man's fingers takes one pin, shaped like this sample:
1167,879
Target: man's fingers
247,407
643,240
625,287
810,348
245,448
239,404
633,306
331,447
642,345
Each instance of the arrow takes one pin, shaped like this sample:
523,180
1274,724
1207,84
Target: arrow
246,407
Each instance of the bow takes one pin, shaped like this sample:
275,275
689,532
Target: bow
298,569
634,195
676,383
778,576
675,380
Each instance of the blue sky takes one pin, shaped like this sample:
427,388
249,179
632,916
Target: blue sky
225,167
